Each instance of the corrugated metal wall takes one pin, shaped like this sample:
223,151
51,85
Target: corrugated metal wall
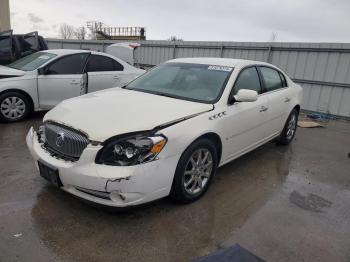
322,69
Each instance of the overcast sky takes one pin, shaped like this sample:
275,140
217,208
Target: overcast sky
210,20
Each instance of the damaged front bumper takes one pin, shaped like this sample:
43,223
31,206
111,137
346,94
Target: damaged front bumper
115,186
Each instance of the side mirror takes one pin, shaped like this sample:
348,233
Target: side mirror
246,95
42,71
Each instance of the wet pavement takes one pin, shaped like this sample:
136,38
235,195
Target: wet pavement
281,203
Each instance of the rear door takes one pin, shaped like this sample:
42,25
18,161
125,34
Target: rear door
42,43
103,72
245,122
276,90
6,47
62,79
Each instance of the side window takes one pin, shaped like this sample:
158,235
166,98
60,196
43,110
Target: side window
271,78
248,79
98,63
68,65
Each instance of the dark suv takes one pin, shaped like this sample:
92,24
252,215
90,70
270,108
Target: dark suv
13,47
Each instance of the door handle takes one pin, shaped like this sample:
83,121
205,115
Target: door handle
263,109
116,77
74,82
287,99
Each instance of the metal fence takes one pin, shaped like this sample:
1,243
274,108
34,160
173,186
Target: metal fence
322,69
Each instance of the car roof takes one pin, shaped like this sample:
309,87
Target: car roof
72,51
62,52
217,61
65,51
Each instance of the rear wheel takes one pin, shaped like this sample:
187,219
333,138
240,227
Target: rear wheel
14,106
289,129
194,171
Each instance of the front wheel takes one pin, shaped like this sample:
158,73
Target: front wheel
195,171
289,129
14,106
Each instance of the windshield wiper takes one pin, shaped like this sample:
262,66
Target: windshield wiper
165,94
150,92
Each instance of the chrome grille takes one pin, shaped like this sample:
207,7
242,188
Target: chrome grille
64,142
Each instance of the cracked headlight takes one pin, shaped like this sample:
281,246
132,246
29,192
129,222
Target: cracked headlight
131,150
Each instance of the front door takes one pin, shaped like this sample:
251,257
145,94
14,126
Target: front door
245,122
62,79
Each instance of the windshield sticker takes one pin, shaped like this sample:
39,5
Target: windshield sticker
220,68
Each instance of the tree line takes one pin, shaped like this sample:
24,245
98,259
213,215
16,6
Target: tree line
67,31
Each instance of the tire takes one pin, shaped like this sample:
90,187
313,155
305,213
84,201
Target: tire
289,129
201,174
14,106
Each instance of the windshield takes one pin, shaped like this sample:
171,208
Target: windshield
195,82
32,62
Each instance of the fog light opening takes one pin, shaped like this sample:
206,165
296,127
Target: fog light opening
118,194
122,197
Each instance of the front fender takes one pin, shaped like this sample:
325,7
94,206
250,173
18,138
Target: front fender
28,86
184,133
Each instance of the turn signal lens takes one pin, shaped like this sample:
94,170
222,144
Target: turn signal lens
157,147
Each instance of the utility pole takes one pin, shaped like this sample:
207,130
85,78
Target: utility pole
5,15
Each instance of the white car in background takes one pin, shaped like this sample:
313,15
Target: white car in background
43,79
165,132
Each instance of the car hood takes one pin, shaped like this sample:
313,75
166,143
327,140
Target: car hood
115,111
10,72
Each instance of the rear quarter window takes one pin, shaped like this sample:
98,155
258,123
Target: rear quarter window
284,80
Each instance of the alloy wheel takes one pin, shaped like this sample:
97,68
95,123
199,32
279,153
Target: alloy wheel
292,124
198,170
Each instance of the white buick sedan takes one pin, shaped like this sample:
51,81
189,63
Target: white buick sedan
42,80
166,132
